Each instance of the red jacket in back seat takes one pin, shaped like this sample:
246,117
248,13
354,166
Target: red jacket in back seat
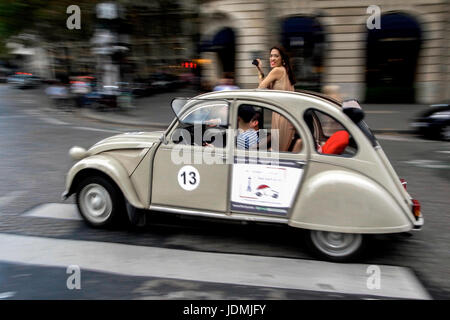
337,143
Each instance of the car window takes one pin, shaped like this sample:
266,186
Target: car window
330,136
209,114
262,128
204,124
201,111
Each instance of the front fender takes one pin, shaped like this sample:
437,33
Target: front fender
109,166
342,201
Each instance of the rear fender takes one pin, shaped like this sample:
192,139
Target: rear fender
342,201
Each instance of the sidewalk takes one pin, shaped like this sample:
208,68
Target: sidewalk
152,111
155,111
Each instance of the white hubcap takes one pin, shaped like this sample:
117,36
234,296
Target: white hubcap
95,203
336,244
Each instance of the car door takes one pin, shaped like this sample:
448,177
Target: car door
190,171
266,180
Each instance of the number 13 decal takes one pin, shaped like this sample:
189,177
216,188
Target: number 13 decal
188,178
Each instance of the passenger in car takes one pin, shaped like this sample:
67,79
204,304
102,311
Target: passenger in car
248,124
281,77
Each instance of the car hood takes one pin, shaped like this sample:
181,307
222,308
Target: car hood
129,140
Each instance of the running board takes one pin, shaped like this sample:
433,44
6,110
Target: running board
209,214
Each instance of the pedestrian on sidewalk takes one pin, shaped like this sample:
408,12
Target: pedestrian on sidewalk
59,94
226,83
334,92
80,88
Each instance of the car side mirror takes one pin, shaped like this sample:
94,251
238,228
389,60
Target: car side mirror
176,138
179,135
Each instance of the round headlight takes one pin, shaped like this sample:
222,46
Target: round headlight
77,153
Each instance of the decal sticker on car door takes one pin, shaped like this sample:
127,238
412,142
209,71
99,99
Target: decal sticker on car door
265,188
188,178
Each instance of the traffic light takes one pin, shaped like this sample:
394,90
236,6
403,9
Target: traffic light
189,65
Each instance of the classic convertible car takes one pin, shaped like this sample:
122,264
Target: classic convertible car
331,176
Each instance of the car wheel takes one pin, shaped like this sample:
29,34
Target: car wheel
100,202
335,246
445,132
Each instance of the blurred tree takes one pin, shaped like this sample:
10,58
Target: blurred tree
156,28
45,19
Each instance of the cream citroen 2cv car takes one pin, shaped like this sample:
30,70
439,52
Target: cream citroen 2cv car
295,158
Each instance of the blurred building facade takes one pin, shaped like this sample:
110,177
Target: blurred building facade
147,37
163,35
141,38
407,60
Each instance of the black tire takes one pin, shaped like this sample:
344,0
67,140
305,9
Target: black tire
339,251
100,202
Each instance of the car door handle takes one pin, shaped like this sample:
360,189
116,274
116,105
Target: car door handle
301,163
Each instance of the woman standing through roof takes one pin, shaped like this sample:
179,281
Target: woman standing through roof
280,77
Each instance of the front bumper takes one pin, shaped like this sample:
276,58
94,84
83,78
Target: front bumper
64,195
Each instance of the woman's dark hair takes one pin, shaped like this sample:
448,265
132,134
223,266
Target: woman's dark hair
286,63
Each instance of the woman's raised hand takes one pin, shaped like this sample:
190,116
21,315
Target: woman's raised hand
259,66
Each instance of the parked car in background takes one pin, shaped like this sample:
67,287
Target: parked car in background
141,88
164,82
4,72
434,123
24,80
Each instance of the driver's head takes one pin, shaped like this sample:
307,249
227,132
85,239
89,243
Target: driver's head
248,117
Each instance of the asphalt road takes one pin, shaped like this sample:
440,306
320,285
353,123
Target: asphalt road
33,163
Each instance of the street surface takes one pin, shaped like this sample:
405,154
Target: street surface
184,258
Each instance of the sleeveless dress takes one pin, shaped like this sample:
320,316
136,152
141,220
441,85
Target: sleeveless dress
286,129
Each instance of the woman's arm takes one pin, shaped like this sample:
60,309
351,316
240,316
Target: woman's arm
273,75
260,72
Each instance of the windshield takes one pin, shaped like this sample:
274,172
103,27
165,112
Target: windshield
198,111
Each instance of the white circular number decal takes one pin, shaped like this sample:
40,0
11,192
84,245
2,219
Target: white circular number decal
188,178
